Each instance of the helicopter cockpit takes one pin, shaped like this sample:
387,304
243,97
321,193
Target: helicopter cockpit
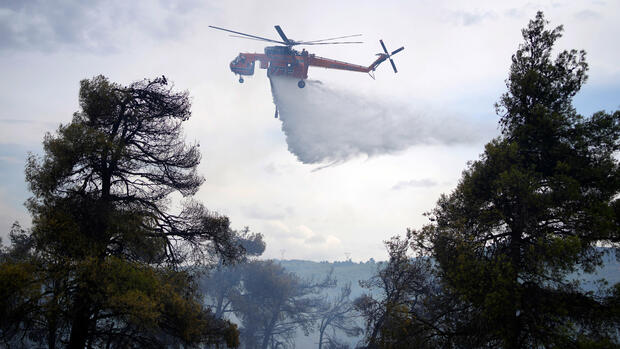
242,66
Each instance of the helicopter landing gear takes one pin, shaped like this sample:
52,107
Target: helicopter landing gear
241,80
301,84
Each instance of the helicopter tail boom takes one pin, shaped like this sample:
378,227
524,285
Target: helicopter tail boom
334,64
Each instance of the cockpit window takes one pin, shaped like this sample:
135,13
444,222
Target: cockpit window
238,60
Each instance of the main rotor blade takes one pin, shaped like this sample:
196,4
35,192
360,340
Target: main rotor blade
340,37
384,49
248,35
329,43
279,30
245,37
393,66
397,50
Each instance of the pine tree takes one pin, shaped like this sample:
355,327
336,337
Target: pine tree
533,209
108,263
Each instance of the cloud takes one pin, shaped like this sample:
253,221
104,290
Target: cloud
316,239
12,161
272,169
305,231
24,132
26,122
277,169
467,18
300,242
326,242
523,11
277,229
266,213
13,187
9,213
328,125
414,183
302,235
587,15
514,12
95,25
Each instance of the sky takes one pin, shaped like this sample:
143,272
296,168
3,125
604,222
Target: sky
351,161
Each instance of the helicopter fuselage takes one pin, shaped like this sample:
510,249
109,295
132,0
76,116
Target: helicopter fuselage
285,61
278,60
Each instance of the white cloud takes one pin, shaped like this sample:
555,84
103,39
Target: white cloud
468,18
277,229
96,26
9,214
307,238
262,211
587,15
316,239
415,183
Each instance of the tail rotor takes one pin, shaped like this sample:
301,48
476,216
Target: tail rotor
389,55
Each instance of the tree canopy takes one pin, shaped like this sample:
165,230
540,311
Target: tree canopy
500,263
109,257
535,207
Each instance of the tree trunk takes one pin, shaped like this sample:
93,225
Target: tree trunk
269,329
51,337
79,326
514,330
322,329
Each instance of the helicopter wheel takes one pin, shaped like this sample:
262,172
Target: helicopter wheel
301,84
240,80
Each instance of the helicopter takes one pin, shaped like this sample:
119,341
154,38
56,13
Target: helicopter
283,60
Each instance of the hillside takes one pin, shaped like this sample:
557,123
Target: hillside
353,272
348,271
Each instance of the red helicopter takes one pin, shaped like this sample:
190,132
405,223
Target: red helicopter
285,61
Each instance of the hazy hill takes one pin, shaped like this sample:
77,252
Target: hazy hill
348,271
343,272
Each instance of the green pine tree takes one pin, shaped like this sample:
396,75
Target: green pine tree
106,263
533,209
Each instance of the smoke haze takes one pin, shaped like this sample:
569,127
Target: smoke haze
328,125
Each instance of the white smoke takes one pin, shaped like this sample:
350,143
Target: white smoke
327,125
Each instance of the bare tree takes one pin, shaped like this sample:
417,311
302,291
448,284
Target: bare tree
274,304
338,314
